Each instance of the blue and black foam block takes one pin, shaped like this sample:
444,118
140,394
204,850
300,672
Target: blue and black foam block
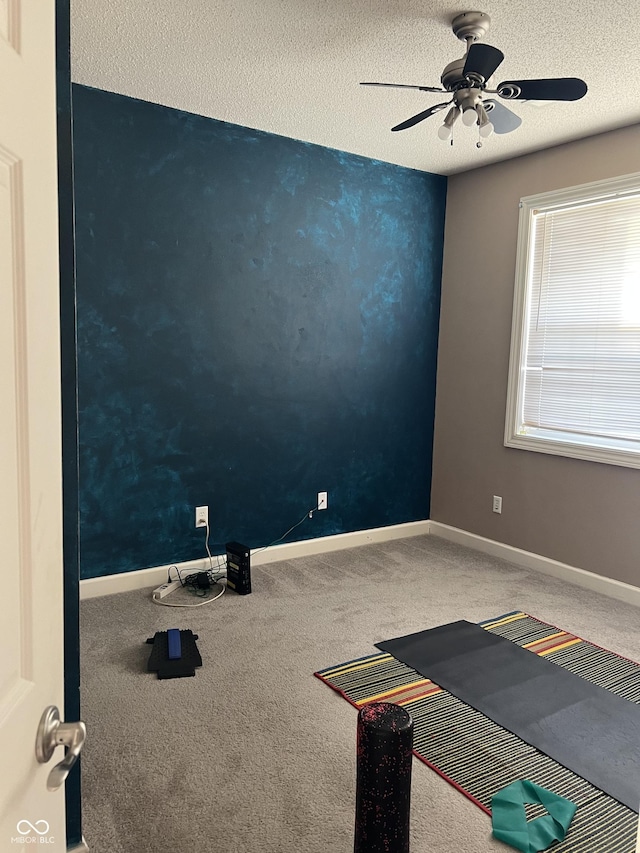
174,654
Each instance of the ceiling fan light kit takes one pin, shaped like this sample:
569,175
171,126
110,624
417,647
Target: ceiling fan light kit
466,81
446,129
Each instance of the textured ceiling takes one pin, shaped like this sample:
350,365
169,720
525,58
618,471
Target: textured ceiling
292,67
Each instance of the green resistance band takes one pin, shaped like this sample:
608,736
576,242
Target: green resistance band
510,820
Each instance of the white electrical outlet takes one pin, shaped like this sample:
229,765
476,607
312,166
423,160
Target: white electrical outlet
322,500
202,516
497,503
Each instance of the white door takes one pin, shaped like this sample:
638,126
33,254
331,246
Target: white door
31,620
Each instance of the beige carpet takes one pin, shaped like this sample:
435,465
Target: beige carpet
254,754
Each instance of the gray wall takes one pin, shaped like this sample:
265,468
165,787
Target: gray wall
582,513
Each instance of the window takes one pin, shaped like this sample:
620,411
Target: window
574,375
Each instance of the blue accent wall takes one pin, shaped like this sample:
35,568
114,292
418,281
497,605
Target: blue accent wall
257,321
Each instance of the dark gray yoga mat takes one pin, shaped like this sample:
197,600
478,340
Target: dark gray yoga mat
584,727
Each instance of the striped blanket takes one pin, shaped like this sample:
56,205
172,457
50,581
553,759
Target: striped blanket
479,757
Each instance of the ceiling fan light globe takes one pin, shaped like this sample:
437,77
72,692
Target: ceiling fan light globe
469,117
444,132
486,129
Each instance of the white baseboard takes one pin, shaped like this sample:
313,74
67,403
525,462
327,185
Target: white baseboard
325,544
126,581
571,574
153,577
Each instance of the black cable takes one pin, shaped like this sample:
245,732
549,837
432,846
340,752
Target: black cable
177,572
191,581
307,514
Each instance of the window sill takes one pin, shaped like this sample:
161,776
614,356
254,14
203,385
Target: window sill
622,456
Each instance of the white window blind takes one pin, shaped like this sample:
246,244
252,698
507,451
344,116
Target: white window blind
577,380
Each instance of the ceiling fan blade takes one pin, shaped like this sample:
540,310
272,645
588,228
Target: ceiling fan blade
502,119
482,59
420,117
406,86
551,89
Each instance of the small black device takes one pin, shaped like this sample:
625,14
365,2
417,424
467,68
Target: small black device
174,654
203,581
238,568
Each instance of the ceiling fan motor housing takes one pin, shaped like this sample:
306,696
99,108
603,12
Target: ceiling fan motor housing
452,74
465,94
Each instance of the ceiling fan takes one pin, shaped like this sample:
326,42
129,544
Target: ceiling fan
466,81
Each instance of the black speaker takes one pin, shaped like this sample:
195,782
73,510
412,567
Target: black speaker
238,568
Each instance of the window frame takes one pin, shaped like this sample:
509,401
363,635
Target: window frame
617,451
